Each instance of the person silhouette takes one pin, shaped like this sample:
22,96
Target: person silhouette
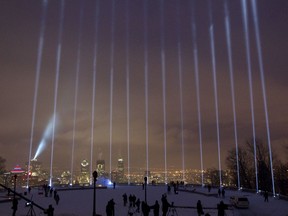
14,206
199,208
50,211
165,205
155,208
221,209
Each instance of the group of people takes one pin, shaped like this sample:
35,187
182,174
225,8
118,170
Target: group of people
134,206
220,207
48,189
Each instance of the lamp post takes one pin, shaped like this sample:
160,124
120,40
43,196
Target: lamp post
145,184
95,175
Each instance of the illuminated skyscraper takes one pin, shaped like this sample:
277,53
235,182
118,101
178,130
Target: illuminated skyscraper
100,167
84,176
120,169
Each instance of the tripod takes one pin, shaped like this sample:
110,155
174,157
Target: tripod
173,211
31,211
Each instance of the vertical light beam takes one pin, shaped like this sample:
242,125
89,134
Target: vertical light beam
57,71
146,84
111,84
248,59
231,72
215,93
76,91
259,50
128,88
94,88
197,84
163,65
181,89
38,70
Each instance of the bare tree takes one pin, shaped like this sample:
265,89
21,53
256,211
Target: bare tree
263,163
245,170
2,165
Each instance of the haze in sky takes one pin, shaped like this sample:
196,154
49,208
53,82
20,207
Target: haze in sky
125,70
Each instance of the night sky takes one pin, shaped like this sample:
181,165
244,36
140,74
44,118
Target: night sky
139,50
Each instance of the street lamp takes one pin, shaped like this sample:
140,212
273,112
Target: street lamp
95,175
145,180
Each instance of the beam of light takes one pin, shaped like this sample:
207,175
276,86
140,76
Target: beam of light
57,71
38,70
211,30
111,83
46,136
231,72
197,84
94,88
181,90
259,50
248,59
128,88
76,91
146,84
163,64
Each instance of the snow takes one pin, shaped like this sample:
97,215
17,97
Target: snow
80,202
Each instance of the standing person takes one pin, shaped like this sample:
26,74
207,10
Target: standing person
223,192
57,198
209,188
124,199
168,188
51,191
137,203
14,206
108,209
221,209
50,211
130,200
266,196
155,208
112,204
145,208
165,205
199,208
219,192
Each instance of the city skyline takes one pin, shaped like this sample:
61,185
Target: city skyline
142,42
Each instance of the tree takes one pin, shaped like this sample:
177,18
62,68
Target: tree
2,169
245,170
2,165
281,177
263,163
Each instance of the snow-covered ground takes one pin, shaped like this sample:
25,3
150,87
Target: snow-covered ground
80,202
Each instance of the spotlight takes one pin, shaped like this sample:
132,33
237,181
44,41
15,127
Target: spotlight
27,204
